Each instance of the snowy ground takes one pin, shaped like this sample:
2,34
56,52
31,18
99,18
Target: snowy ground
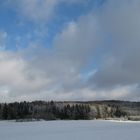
70,130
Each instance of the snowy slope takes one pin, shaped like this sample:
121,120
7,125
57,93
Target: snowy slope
69,130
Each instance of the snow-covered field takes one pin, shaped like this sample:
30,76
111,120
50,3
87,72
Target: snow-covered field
70,130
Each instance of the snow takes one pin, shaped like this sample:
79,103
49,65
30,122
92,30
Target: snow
70,130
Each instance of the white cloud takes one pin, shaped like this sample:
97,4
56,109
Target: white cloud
17,79
109,37
39,73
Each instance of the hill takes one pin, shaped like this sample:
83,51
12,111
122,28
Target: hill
70,110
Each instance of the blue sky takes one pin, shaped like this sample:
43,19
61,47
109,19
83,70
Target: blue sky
17,25
69,50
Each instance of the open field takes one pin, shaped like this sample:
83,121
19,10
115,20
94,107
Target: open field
70,130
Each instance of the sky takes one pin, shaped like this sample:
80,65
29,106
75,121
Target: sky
69,50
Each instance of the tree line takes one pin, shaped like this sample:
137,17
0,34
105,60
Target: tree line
43,110
57,111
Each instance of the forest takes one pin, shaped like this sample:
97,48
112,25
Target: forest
43,110
60,110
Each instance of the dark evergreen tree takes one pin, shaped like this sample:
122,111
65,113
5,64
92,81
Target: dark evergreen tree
5,112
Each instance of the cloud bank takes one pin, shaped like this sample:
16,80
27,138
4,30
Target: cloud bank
93,57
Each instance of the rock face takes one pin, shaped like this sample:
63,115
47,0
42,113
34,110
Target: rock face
71,110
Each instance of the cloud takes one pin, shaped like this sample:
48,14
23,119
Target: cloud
39,10
94,57
40,73
78,41
17,79
120,65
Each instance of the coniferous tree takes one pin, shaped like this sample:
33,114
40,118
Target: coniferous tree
5,112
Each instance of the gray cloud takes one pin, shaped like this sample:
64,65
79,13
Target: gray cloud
120,66
107,39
